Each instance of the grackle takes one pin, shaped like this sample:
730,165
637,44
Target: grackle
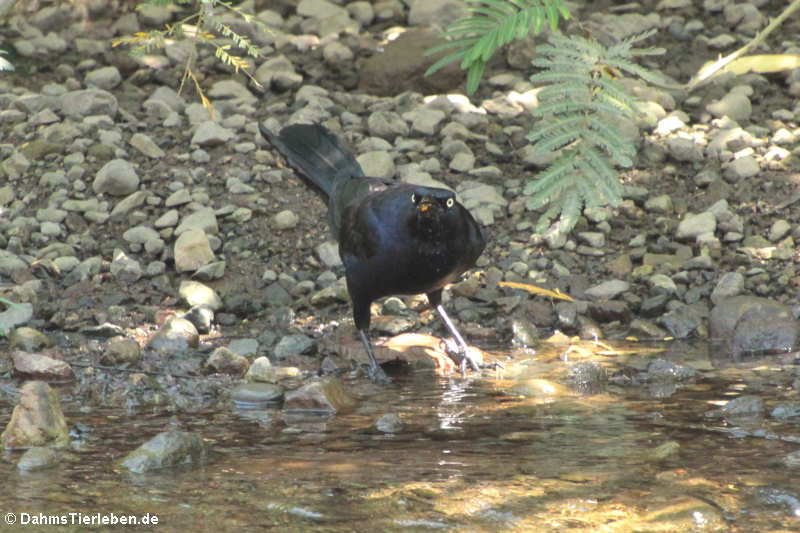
394,238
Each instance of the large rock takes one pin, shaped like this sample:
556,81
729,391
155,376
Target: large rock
117,178
37,419
167,449
754,325
402,65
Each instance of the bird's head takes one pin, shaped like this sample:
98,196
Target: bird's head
432,207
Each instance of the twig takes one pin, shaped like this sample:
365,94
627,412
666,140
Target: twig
708,71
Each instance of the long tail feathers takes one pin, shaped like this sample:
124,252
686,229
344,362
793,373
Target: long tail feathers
316,153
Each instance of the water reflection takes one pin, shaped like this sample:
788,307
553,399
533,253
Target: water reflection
517,451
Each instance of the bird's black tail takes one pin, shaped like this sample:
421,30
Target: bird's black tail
316,153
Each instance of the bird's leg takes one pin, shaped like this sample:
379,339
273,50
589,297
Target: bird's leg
376,373
466,357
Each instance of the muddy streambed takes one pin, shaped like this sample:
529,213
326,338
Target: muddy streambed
537,447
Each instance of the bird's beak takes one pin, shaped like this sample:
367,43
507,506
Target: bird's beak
425,204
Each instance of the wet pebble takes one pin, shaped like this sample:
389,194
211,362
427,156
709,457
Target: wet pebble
665,452
38,458
326,395
165,450
252,395
588,377
389,423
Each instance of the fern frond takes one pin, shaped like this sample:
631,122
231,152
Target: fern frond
580,103
490,25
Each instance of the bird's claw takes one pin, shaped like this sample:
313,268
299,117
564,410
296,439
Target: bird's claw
378,376
462,357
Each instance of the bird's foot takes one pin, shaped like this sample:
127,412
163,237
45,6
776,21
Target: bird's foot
464,357
378,376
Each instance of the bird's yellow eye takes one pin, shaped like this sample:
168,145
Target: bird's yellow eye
413,198
450,203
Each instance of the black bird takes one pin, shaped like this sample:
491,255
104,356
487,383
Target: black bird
394,238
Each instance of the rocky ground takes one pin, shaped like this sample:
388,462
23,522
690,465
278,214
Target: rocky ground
157,255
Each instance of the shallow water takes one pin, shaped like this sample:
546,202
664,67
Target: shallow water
473,455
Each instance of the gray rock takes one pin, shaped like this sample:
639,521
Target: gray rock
328,396
734,105
104,78
753,325
121,351
195,293
387,125
225,361
29,365
389,423
252,395
246,346
87,102
15,315
37,419
231,89
28,339
286,219
659,204
681,322
730,284
462,162
328,253
176,336
145,145
587,377
203,219
377,164
15,165
125,269
163,101
319,9
694,225
779,229
439,12
210,133
424,121
662,284
117,178
592,238
279,72
211,271
684,149
361,11
140,234
292,345
166,450
38,458
666,371
741,168
335,53
129,203
607,290
192,251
